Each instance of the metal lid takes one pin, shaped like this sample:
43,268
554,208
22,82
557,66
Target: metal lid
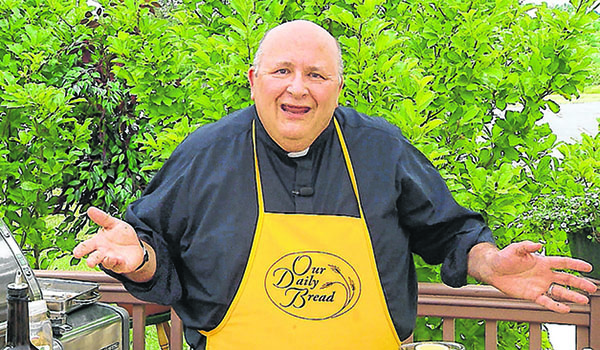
18,290
12,263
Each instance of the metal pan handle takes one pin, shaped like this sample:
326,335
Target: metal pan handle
95,296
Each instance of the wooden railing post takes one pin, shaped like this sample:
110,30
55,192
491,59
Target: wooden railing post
491,335
176,332
139,327
448,329
535,336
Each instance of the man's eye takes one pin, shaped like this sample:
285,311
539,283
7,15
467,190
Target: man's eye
282,71
316,76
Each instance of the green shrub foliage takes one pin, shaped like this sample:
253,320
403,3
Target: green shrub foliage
94,98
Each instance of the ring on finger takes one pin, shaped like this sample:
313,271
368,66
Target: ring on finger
549,291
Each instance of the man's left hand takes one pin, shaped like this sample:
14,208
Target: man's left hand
520,272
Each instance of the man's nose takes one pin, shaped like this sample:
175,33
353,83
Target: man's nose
297,85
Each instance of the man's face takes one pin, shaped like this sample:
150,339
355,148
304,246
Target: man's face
297,84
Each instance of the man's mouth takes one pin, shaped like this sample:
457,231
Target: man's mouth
295,109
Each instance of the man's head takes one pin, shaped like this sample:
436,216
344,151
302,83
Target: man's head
296,81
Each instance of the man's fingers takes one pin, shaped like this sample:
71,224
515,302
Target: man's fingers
101,218
562,293
551,304
84,248
110,263
565,263
557,292
94,258
567,279
527,247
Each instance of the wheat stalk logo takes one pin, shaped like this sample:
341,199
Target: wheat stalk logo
347,283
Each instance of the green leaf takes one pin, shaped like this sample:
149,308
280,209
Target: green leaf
30,186
341,15
554,107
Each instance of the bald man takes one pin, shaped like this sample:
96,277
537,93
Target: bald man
292,223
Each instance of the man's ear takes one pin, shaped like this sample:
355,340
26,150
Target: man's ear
339,91
251,76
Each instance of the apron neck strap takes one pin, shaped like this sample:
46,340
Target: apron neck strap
259,192
349,166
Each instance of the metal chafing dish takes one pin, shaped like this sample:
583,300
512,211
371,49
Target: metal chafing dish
79,321
65,296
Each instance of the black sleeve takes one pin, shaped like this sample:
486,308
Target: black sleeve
441,231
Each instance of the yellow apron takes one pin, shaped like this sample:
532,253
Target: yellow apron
310,283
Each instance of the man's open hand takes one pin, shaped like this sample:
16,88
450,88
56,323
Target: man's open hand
520,272
116,245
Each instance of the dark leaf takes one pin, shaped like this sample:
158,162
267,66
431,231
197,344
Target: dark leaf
87,56
84,21
93,24
155,4
88,14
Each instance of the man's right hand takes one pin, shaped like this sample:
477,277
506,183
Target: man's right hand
116,246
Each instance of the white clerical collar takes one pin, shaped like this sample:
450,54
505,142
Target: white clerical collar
298,154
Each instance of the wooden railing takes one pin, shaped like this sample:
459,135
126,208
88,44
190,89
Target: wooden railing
470,302
487,303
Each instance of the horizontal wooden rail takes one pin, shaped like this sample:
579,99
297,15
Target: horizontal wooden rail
470,302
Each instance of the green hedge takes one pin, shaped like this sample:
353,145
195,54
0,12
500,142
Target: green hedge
93,100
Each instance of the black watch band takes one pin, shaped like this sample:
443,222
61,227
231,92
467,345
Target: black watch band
146,256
